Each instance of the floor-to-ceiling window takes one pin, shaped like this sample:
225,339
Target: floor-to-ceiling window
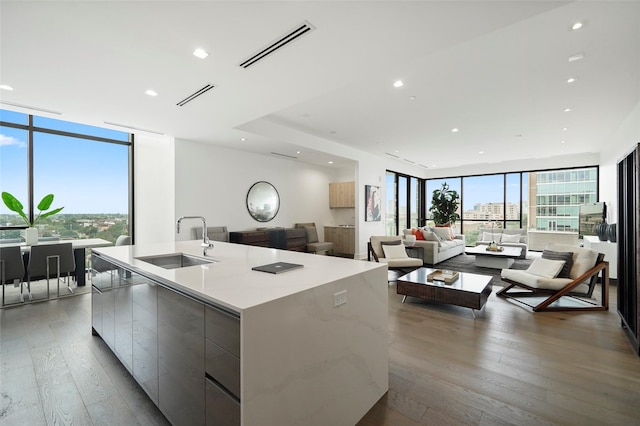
86,168
547,200
391,216
405,207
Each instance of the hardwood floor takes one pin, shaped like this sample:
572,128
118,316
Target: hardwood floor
508,366
53,371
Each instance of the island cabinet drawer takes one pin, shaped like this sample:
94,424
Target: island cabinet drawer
223,367
222,410
223,329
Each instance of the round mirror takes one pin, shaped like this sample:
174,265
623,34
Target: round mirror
263,201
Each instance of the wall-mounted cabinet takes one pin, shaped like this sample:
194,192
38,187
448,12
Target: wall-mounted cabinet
342,195
343,239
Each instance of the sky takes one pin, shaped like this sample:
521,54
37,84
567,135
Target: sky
85,176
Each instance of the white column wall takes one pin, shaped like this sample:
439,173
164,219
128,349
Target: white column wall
154,188
627,136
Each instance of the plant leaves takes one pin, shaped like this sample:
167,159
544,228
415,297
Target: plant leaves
51,213
46,202
12,202
14,205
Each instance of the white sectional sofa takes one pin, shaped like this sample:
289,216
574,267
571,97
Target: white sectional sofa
435,251
516,237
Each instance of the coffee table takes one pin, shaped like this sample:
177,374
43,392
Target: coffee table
494,259
469,290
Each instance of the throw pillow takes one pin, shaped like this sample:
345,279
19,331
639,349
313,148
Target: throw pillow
545,267
394,251
443,233
452,234
566,256
417,233
488,236
506,238
312,234
430,236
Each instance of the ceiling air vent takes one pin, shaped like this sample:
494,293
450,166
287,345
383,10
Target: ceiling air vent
299,31
194,95
284,155
391,155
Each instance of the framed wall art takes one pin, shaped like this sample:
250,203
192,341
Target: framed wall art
372,204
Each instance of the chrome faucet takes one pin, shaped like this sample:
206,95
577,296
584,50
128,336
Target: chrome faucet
206,244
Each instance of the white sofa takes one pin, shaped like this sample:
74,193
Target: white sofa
510,240
434,252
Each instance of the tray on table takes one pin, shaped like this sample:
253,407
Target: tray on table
443,275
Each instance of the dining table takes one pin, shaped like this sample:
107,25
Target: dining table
79,246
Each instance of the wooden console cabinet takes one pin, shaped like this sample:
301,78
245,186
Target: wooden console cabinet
342,195
343,239
280,238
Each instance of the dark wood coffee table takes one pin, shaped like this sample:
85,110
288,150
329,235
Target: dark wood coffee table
469,290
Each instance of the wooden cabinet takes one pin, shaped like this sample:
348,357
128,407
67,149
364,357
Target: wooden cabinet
343,239
342,195
280,238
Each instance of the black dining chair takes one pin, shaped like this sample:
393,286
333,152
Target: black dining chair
11,268
51,261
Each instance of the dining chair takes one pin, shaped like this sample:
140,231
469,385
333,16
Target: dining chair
51,261
11,268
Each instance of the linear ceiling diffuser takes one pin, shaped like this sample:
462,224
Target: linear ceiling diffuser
299,31
194,95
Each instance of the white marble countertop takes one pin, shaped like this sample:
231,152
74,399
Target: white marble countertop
229,281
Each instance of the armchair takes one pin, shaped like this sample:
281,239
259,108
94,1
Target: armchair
551,293
394,256
313,243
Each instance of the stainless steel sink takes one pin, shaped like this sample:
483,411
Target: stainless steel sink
175,260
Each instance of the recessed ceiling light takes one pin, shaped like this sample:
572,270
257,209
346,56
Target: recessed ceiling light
297,152
568,110
6,87
454,130
576,57
571,80
565,128
200,53
151,92
412,98
562,142
330,162
576,26
481,152
243,139
398,83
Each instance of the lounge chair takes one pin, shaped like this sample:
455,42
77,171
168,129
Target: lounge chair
544,290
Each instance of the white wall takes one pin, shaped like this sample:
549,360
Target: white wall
154,188
626,137
213,182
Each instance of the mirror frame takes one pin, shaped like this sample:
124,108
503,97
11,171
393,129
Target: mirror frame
251,199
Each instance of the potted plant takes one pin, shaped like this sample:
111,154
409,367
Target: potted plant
444,206
31,233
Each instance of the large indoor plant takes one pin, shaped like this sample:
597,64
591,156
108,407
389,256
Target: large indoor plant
444,206
31,234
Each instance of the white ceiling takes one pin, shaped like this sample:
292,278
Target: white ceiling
496,70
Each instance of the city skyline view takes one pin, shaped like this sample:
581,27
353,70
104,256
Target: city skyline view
85,176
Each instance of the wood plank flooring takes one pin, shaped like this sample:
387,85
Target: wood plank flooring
508,366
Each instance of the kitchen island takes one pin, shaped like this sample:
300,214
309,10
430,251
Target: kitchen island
220,343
